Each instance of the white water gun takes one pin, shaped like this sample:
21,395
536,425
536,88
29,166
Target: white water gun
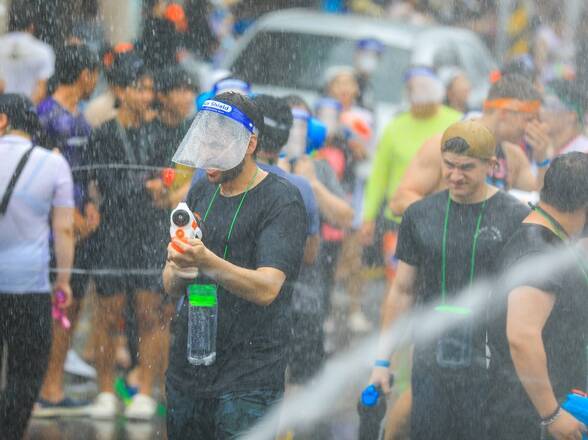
183,227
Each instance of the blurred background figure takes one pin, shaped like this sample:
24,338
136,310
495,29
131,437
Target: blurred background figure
353,136
457,88
67,130
367,57
398,145
26,63
564,107
554,48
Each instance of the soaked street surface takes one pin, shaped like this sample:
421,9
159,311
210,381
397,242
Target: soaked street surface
343,426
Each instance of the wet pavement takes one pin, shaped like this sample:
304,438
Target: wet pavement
342,426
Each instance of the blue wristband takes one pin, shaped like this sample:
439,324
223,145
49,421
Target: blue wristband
382,363
543,163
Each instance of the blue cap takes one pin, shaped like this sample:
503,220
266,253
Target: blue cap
411,72
370,396
371,44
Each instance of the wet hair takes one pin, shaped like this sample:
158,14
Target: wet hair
523,66
455,145
514,86
21,15
277,118
173,77
72,60
247,106
565,185
21,113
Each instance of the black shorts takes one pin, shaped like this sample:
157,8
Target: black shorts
306,348
125,264
110,285
82,264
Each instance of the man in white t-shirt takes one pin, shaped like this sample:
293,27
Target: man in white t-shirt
26,63
40,204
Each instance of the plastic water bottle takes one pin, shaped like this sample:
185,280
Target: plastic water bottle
202,323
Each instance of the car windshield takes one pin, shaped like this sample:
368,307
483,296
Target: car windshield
300,60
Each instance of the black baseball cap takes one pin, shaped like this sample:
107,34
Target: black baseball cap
277,118
126,69
21,113
173,77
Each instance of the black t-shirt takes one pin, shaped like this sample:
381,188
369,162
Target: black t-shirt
126,207
165,140
162,142
270,231
564,335
420,245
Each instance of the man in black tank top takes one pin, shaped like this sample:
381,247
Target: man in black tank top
537,325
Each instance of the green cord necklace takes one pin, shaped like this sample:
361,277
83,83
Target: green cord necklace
232,226
443,306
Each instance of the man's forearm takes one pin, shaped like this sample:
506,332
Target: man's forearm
402,200
530,362
396,303
257,286
336,210
64,254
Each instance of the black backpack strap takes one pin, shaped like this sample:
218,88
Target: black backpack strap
17,172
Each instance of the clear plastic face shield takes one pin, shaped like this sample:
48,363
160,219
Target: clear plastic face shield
296,145
368,54
367,61
423,86
217,139
328,111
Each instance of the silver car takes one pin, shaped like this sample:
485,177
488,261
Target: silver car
289,52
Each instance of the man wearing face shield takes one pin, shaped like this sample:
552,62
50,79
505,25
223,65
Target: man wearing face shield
368,53
254,231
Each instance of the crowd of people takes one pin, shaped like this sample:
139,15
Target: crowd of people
295,201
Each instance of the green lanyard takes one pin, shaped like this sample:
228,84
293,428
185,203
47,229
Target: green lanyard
236,212
444,248
562,235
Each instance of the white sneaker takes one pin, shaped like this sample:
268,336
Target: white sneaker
358,323
142,407
74,364
105,406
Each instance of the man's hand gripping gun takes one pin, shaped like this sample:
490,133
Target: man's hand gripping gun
184,226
